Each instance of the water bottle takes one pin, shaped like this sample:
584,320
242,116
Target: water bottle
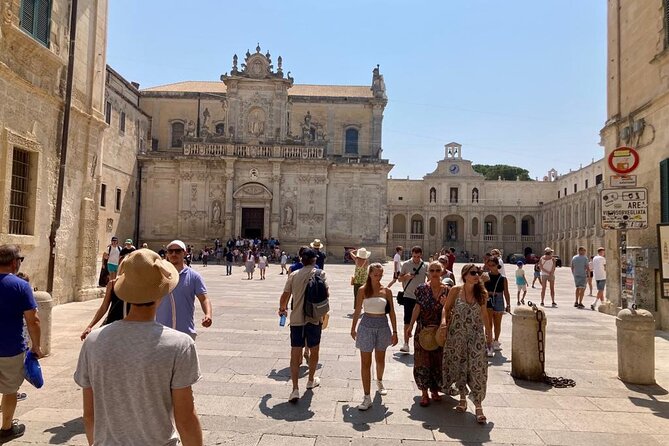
282,320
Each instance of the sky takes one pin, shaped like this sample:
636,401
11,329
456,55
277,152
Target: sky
519,82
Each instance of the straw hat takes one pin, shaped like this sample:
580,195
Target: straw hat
316,244
362,253
144,277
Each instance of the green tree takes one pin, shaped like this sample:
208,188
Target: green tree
509,173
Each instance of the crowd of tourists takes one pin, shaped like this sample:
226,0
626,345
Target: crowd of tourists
148,314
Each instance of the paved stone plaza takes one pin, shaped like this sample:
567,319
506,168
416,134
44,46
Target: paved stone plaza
242,398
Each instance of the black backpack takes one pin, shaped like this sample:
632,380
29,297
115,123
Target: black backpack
316,296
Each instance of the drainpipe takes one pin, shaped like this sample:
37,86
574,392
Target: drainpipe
55,223
139,199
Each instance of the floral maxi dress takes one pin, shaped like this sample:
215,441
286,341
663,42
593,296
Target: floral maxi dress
427,364
465,362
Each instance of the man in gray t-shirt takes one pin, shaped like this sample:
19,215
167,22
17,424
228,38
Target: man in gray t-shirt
412,274
137,374
580,270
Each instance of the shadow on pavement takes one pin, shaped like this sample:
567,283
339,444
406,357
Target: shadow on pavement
361,419
659,408
441,416
532,385
404,358
287,411
63,434
498,360
284,373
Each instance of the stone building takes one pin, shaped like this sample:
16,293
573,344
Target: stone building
255,155
34,53
637,100
125,137
454,206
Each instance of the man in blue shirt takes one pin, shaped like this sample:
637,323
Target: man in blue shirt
177,309
580,271
16,303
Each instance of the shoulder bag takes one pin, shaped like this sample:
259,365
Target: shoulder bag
401,300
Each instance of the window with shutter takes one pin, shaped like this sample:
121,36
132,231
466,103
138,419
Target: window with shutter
351,145
664,190
36,19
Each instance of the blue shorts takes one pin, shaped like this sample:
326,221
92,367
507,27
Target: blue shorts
112,268
580,281
601,284
309,333
373,334
496,302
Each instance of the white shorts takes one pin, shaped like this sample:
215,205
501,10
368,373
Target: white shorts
522,287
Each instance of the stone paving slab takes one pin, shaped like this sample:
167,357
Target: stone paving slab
242,397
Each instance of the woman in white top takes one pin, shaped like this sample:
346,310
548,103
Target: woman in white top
262,264
374,333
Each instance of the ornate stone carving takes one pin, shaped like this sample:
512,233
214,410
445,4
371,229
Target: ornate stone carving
253,174
216,213
256,122
288,213
28,142
110,225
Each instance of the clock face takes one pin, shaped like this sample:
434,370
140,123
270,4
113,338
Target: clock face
454,169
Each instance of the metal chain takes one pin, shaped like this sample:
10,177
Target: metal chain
555,381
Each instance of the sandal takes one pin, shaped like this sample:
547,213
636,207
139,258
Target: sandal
435,395
480,418
461,407
424,401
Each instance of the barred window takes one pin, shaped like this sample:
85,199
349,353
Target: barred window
177,134
103,195
20,193
117,206
36,19
666,23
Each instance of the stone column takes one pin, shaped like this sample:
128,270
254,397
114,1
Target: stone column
237,230
265,228
276,204
377,120
229,190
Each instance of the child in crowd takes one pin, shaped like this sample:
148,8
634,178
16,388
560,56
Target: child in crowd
521,282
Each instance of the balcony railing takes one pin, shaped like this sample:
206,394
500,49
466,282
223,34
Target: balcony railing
198,149
509,238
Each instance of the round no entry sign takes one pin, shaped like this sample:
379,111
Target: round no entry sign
623,160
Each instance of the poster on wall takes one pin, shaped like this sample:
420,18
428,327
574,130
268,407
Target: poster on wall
663,245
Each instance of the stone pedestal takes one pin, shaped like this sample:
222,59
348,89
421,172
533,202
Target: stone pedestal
525,363
636,346
44,306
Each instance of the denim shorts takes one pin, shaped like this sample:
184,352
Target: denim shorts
579,281
496,302
309,333
601,284
373,334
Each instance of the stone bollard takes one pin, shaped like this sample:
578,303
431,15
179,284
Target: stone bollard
636,346
44,306
525,362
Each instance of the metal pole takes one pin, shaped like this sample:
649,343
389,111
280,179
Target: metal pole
55,224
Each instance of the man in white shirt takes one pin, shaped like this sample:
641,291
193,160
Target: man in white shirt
599,274
397,265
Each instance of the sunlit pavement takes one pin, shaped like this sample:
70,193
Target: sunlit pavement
242,398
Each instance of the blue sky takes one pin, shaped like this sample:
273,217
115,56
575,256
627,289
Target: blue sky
520,82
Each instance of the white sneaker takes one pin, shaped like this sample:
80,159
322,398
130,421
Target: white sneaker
366,403
405,348
294,396
490,352
382,389
496,346
315,383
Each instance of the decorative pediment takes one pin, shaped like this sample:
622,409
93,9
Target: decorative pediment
256,66
252,191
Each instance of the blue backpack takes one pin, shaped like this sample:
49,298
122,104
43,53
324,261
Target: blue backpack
316,296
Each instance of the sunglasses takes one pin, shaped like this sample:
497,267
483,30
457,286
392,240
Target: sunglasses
434,270
474,273
173,251
21,258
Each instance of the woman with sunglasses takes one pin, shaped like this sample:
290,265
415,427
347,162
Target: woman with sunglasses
430,298
464,357
373,334
498,294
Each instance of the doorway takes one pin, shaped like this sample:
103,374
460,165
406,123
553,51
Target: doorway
253,220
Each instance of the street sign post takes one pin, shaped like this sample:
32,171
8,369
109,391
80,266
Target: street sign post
624,208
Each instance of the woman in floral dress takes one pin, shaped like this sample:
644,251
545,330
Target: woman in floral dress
464,362
430,298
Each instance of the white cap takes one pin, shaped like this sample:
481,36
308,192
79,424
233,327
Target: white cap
179,243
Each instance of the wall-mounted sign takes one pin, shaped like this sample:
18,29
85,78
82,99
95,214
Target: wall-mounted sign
663,243
623,160
623,180
624,208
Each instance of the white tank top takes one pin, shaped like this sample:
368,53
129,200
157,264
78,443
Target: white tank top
374,305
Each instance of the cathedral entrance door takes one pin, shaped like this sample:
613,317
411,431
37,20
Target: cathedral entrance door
253,220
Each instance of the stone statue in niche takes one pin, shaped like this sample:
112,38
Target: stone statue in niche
256,123
216,213
190,128
205,118
288,215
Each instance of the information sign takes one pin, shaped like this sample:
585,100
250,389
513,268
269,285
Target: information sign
624,208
